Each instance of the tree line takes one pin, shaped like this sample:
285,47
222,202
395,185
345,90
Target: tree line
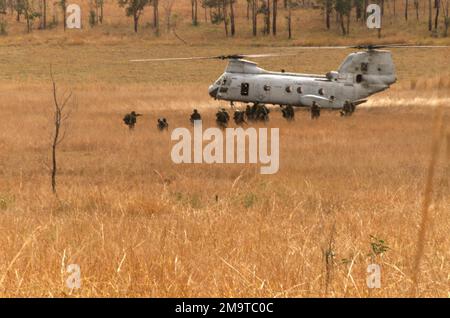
342,12
411,9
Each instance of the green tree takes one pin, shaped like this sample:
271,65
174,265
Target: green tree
30,14
343,9
328,6
3,7
359,9
134,8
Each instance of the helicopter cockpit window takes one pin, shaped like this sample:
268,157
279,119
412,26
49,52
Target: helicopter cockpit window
266,88
288,89
244,89
226,81
220,80
321,92
299,90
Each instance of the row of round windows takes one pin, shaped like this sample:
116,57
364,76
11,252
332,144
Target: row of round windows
290,89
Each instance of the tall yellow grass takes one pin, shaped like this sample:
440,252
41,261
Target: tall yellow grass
139,225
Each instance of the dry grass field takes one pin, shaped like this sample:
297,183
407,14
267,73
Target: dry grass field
140,226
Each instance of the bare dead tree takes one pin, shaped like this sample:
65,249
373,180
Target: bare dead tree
289,19
248,9
437,5
430,16
194,12
232,19
274,16
267,17
44,14
406,10
446,19
416,7
225,16
155,24
254,17
60,116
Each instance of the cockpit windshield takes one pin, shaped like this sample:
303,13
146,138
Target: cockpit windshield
219,82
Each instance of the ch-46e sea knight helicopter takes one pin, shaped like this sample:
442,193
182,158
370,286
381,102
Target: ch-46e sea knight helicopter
362,74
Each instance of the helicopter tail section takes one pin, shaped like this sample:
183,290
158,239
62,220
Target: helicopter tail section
373,70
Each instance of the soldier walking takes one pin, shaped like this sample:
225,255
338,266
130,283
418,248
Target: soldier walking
195,116
288,112
347,109
222,118
249,112
262,112
315,110
239,117
162,124
130,119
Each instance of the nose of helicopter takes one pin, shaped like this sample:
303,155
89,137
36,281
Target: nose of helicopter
212,90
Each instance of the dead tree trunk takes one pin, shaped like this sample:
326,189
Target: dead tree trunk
59,117
194,11
274,16
416,6
446,19
328,11
406,10
341,20
233,26
225,16
44,14
156,17
289,22
248,9
254,18
436,19
430,16
100,17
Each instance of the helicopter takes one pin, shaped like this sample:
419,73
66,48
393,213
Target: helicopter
366,72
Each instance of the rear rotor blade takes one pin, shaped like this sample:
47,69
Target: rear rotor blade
365,46
400,46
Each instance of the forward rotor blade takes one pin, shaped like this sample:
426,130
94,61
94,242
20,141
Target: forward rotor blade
318,47
219,57
175,59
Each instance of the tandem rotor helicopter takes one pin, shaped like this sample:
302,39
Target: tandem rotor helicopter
369,71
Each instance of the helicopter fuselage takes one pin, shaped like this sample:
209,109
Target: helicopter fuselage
362,74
